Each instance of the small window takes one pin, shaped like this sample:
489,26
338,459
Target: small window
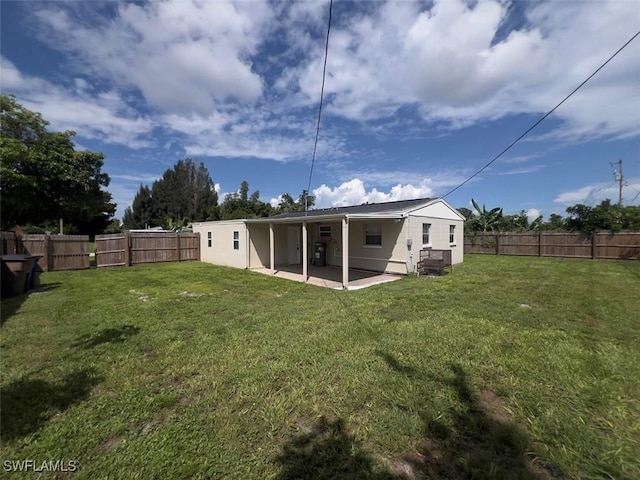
209,239
452,236
325,231
425,234
236,240
373,234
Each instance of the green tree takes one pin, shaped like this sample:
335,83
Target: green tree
556,223
184,194
606,216
518,223
43,178
244,191
487,219
140,213
288,205
242,205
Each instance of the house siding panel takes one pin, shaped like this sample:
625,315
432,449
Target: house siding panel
391,256
258,245
439,235
221,251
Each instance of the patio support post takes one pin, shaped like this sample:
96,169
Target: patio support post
305,252
272,255
345,252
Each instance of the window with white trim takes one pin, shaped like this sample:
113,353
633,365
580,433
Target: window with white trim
373,234
452,236
209,239
426,240
236,240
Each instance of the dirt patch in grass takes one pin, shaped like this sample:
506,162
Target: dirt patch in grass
493,406
110,443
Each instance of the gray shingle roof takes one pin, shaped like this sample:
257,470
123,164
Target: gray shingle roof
367,208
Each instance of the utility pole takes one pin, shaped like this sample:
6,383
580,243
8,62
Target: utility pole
617,174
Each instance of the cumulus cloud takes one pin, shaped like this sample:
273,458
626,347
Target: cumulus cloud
183,56
103,116
354,192
532,214
241,79
447,60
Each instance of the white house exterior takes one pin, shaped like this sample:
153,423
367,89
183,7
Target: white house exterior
382,237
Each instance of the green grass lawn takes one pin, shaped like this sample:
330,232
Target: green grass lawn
509,368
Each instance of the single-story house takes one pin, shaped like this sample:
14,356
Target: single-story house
381,237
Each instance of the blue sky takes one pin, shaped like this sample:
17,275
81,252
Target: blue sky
418,95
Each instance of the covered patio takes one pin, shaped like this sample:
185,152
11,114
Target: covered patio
330,276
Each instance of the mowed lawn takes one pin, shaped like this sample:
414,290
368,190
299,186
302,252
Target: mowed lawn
510,367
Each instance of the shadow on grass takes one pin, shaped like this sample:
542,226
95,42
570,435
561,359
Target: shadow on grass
395,364
481,442
108,335
11,305
328,452
28,404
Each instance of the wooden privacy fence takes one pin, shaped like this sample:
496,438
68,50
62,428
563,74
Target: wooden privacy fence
619,246
9,244
133,248
57,252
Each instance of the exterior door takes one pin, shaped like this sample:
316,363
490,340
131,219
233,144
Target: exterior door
293,245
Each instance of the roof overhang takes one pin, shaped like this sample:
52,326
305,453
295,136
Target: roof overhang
327,218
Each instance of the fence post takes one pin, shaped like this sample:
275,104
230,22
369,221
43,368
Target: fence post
178,245
497,244
127,249
47,253
199,246
540,235
593,246
19,245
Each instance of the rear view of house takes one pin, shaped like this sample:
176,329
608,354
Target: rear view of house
380,237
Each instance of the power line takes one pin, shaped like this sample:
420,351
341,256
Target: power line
543,118
324,74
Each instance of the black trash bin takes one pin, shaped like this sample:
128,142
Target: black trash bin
320,254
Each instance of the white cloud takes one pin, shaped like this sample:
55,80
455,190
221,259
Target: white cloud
521,171
206,71
445,60
532,214
183,56
274,202
137,178
594,194
354,192
104,116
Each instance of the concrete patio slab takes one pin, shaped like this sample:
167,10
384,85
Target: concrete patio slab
329,276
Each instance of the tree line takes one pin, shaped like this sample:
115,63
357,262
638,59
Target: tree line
580,218
186,194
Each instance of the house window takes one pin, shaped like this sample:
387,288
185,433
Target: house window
426,241
209,240
452,237
236,240
325,231
373,234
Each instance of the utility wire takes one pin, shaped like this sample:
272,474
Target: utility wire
324,74
543,118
